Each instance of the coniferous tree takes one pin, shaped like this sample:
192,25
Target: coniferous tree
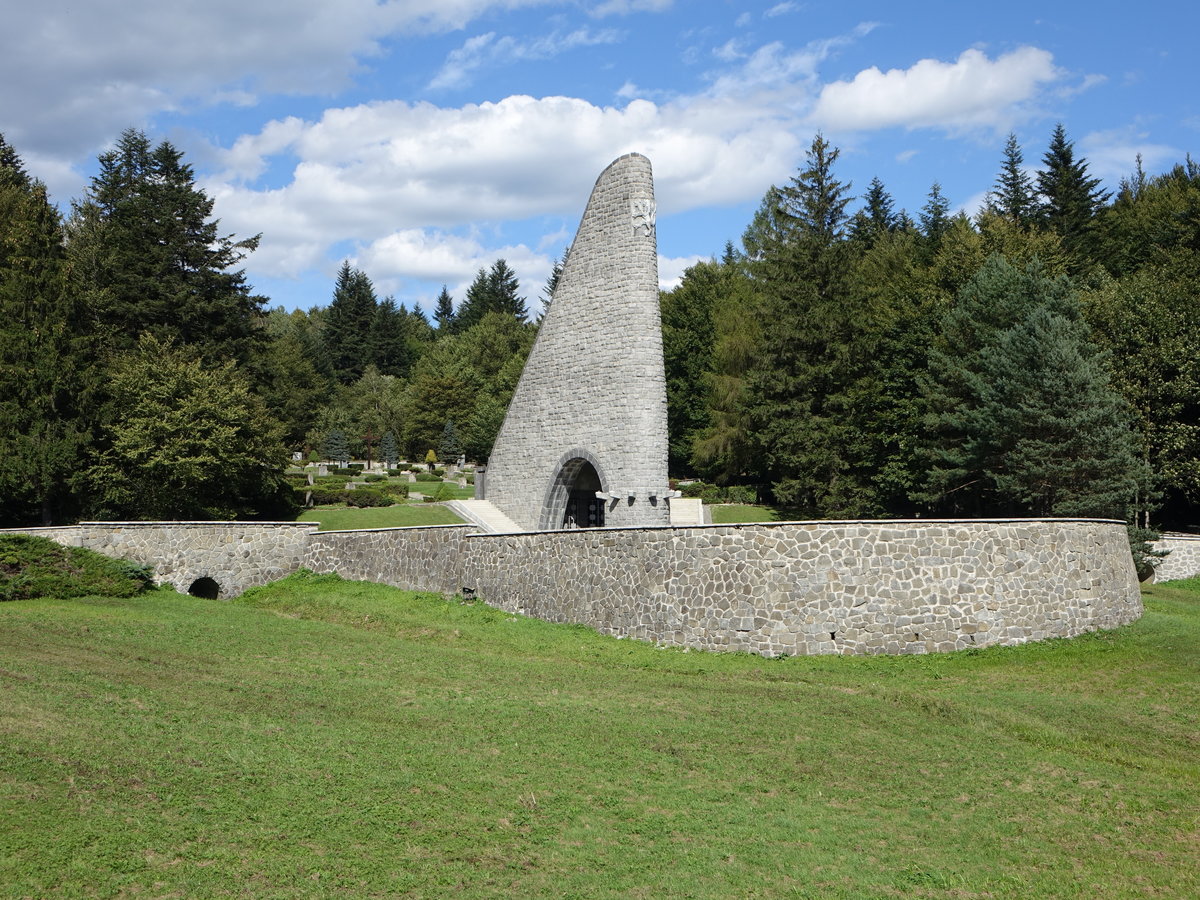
1012,197
876,218
811,355
1023,418
389,449
348,321
148,258
336,447
443,312
46,360
552,283
450,445
387,340
1070,199
934,216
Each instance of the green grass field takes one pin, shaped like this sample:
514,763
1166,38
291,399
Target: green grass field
734,513
321,738
402,515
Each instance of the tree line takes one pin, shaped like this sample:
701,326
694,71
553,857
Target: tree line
1041,358
142,377
1037,359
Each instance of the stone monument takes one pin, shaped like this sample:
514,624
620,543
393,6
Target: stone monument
584,442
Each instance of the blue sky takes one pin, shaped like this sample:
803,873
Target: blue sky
422,139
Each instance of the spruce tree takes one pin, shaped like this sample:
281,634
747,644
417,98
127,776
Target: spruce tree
934,216
1070,199
1012,197
443,312
387,339
389,449
450,445
336,447
348,321
148,257
877,217
46,362
811,347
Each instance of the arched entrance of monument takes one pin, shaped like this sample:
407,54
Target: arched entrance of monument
205,588
572,501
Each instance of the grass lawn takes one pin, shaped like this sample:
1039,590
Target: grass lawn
330,739
733,513
343,518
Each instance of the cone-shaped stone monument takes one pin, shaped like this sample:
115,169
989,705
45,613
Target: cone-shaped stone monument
584,443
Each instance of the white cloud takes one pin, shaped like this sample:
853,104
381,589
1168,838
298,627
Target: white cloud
1112,154
88,70
625,7
391,167
780,9
671,269
489,50
972,92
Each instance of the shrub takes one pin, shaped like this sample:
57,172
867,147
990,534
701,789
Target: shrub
471,478
37,567
427,477
445,491
371,479
323,494
395,473
692,489
364,497
398,489
439,472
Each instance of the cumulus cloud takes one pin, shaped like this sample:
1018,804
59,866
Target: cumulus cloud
1112,154
971,92
625,7
385,167
88,70
489,50
671,269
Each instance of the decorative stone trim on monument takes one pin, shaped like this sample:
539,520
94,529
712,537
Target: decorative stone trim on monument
584,442
1184,559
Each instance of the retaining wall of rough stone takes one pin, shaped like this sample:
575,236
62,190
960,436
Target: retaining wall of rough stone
774,588
236,555
1184,559
819,587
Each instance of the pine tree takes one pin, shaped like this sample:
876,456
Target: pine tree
552,283
348,321
443,312
1023,418
148,257
1013,197
1070,200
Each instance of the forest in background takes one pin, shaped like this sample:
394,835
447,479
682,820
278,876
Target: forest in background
843,361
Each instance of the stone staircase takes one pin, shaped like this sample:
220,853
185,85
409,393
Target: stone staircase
484,514
687,511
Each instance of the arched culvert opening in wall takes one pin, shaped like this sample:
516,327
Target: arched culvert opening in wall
205,587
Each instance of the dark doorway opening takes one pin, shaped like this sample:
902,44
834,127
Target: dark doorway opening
584,509
205,588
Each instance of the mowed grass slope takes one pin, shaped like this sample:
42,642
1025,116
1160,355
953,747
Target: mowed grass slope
324,738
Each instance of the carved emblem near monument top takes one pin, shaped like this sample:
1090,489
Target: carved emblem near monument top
642,210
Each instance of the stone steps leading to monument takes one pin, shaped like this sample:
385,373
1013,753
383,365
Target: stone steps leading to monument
687,511
484,514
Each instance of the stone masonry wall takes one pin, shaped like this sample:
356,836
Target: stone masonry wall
236,555
772,589
819,587
1184,559
418,559
593,386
